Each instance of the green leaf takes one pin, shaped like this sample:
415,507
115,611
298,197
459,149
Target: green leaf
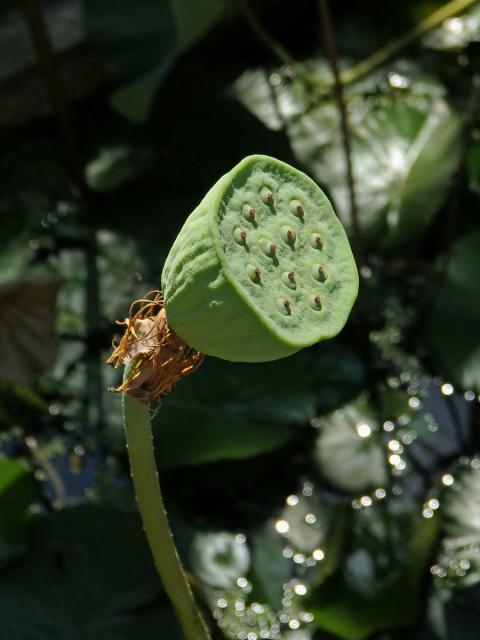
405,146
348,451
27,328
233,411
452,329
317,525
132,39
303,535
461,510
219,559
392,558
457,565
403,157
271,570
88,575
114,166
134,99
456,33
139,42
18,491
194,19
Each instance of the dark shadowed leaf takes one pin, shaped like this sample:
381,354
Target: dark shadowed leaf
348,452
88,572
27,323
18,491
380,585
116,165
473,165
230,410
140,42
452,330
458,562
455,617
270,568
339,374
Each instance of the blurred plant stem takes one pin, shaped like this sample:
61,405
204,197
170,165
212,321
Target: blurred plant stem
56,90
395,46
136,417
94,400
366,66
42,461
278,49
332,54
49,69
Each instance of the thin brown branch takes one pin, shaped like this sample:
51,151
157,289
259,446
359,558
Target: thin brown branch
49,68
331,48
50,71
278,50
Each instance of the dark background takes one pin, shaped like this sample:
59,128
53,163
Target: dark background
333,494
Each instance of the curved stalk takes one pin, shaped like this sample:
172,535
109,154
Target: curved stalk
136,418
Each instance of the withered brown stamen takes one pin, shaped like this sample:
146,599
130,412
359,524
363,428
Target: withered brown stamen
157,356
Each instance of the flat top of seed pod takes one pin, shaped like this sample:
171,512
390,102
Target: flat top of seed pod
284,250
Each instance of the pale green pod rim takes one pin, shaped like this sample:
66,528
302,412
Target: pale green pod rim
285,346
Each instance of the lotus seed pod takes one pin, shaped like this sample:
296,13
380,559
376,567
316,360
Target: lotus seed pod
260,286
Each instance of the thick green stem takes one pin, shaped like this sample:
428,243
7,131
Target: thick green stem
138,430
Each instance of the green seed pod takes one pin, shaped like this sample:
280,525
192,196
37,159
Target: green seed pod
230,295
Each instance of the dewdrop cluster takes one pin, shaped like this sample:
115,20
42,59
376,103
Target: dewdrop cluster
243,619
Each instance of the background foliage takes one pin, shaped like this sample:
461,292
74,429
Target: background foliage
331,495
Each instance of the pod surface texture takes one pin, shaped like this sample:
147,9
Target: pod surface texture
262,267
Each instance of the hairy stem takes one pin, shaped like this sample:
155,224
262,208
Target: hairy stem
331,48
392,48
138,430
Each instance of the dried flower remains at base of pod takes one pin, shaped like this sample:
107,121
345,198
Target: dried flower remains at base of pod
156,358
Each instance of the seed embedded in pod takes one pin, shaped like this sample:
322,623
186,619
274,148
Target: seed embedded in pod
297,208
315,303
316,241
240,236
199,312
266,195
249,213
254,273
268,248
319,273
288,278
288,236
284,306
